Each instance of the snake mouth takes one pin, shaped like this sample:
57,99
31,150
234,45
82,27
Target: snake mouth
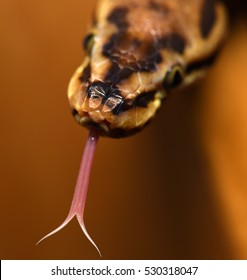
129,119
85,120
104,127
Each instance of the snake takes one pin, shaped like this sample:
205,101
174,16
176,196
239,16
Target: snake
137,53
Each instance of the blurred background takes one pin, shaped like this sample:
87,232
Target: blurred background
177,190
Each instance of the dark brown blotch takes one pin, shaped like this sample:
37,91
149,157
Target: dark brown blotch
160,8
203,63
86,73
125,73
111,75
116,74
208,17
87,41
119,17
114,133
140,101
174,42
121,43
129,55
74,112
143,99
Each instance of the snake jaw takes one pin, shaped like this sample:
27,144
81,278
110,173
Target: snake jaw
81,189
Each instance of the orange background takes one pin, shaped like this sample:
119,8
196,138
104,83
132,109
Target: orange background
177,190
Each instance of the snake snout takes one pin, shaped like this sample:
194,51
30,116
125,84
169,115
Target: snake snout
103,97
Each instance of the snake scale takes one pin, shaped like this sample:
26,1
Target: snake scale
137,52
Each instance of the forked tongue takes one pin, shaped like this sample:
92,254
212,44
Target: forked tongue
80,194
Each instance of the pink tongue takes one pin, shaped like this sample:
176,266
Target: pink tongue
79,199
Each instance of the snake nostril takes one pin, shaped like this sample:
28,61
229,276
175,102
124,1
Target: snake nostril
96,94
101,93
95,97
113,104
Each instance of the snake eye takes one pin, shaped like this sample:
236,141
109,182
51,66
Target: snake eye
174,77
88,42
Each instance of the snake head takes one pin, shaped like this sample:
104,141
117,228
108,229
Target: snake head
118,88
133,61
106,107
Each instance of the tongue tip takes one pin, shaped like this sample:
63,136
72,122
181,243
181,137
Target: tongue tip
80,194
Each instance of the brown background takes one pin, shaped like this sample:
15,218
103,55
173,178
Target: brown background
177,190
